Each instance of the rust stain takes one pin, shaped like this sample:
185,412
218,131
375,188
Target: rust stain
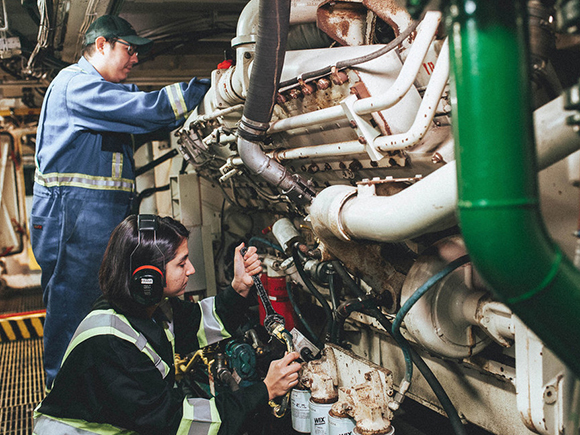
385,10
341,20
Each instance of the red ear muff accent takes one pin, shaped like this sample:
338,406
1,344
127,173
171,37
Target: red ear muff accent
148,267
147,282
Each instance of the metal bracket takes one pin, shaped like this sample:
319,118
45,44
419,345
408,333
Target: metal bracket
365,131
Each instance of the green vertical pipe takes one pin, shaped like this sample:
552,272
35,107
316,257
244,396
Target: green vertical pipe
499,210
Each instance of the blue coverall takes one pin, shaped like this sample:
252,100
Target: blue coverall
84,184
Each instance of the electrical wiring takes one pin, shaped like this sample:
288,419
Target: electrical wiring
311,288
351,62
309,332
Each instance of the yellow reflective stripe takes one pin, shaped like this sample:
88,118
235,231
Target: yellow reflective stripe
48,425
82,180
216,419
81,336
168,325
176,99
169,335
105,330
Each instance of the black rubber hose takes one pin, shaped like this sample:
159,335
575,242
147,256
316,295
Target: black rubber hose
334,288
168,155
309,332
274,18
448,407
344,310
308,283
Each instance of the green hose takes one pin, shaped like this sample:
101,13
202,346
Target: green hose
499,212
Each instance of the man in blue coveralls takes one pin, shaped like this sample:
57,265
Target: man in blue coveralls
84,179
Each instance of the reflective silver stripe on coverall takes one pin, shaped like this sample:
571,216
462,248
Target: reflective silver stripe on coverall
200,417
103,322
117,168
81,180
176,99
213,329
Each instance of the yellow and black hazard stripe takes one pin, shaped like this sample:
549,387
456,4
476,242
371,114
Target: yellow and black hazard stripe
20,326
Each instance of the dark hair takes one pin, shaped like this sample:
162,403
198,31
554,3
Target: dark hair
125,252
89,49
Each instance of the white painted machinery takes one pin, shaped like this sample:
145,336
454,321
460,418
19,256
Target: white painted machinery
345,145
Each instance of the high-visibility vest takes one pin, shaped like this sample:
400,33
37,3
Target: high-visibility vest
200,416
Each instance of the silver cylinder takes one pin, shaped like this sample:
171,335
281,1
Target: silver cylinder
300,409
340,425
319,417
286,234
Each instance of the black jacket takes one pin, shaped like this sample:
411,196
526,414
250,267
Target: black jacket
106,379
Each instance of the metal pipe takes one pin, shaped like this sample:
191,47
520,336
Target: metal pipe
426,206
497,184
426,111
426,31
555,140
321,151
218,113
247,27
430,203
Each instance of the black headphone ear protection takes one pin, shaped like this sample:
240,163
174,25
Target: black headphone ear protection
147,281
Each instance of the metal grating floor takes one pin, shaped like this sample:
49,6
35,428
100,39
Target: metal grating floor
21,368
22,381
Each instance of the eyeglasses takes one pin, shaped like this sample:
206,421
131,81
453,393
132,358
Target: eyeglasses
131,49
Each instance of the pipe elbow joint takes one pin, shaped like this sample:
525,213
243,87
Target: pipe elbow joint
325,212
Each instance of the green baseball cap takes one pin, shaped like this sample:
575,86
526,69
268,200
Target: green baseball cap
111,26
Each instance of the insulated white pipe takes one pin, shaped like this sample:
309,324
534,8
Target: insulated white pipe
430,204
426,206
247,28
301,11
555,140
316,117
425,33
217,113
328,150
426,111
